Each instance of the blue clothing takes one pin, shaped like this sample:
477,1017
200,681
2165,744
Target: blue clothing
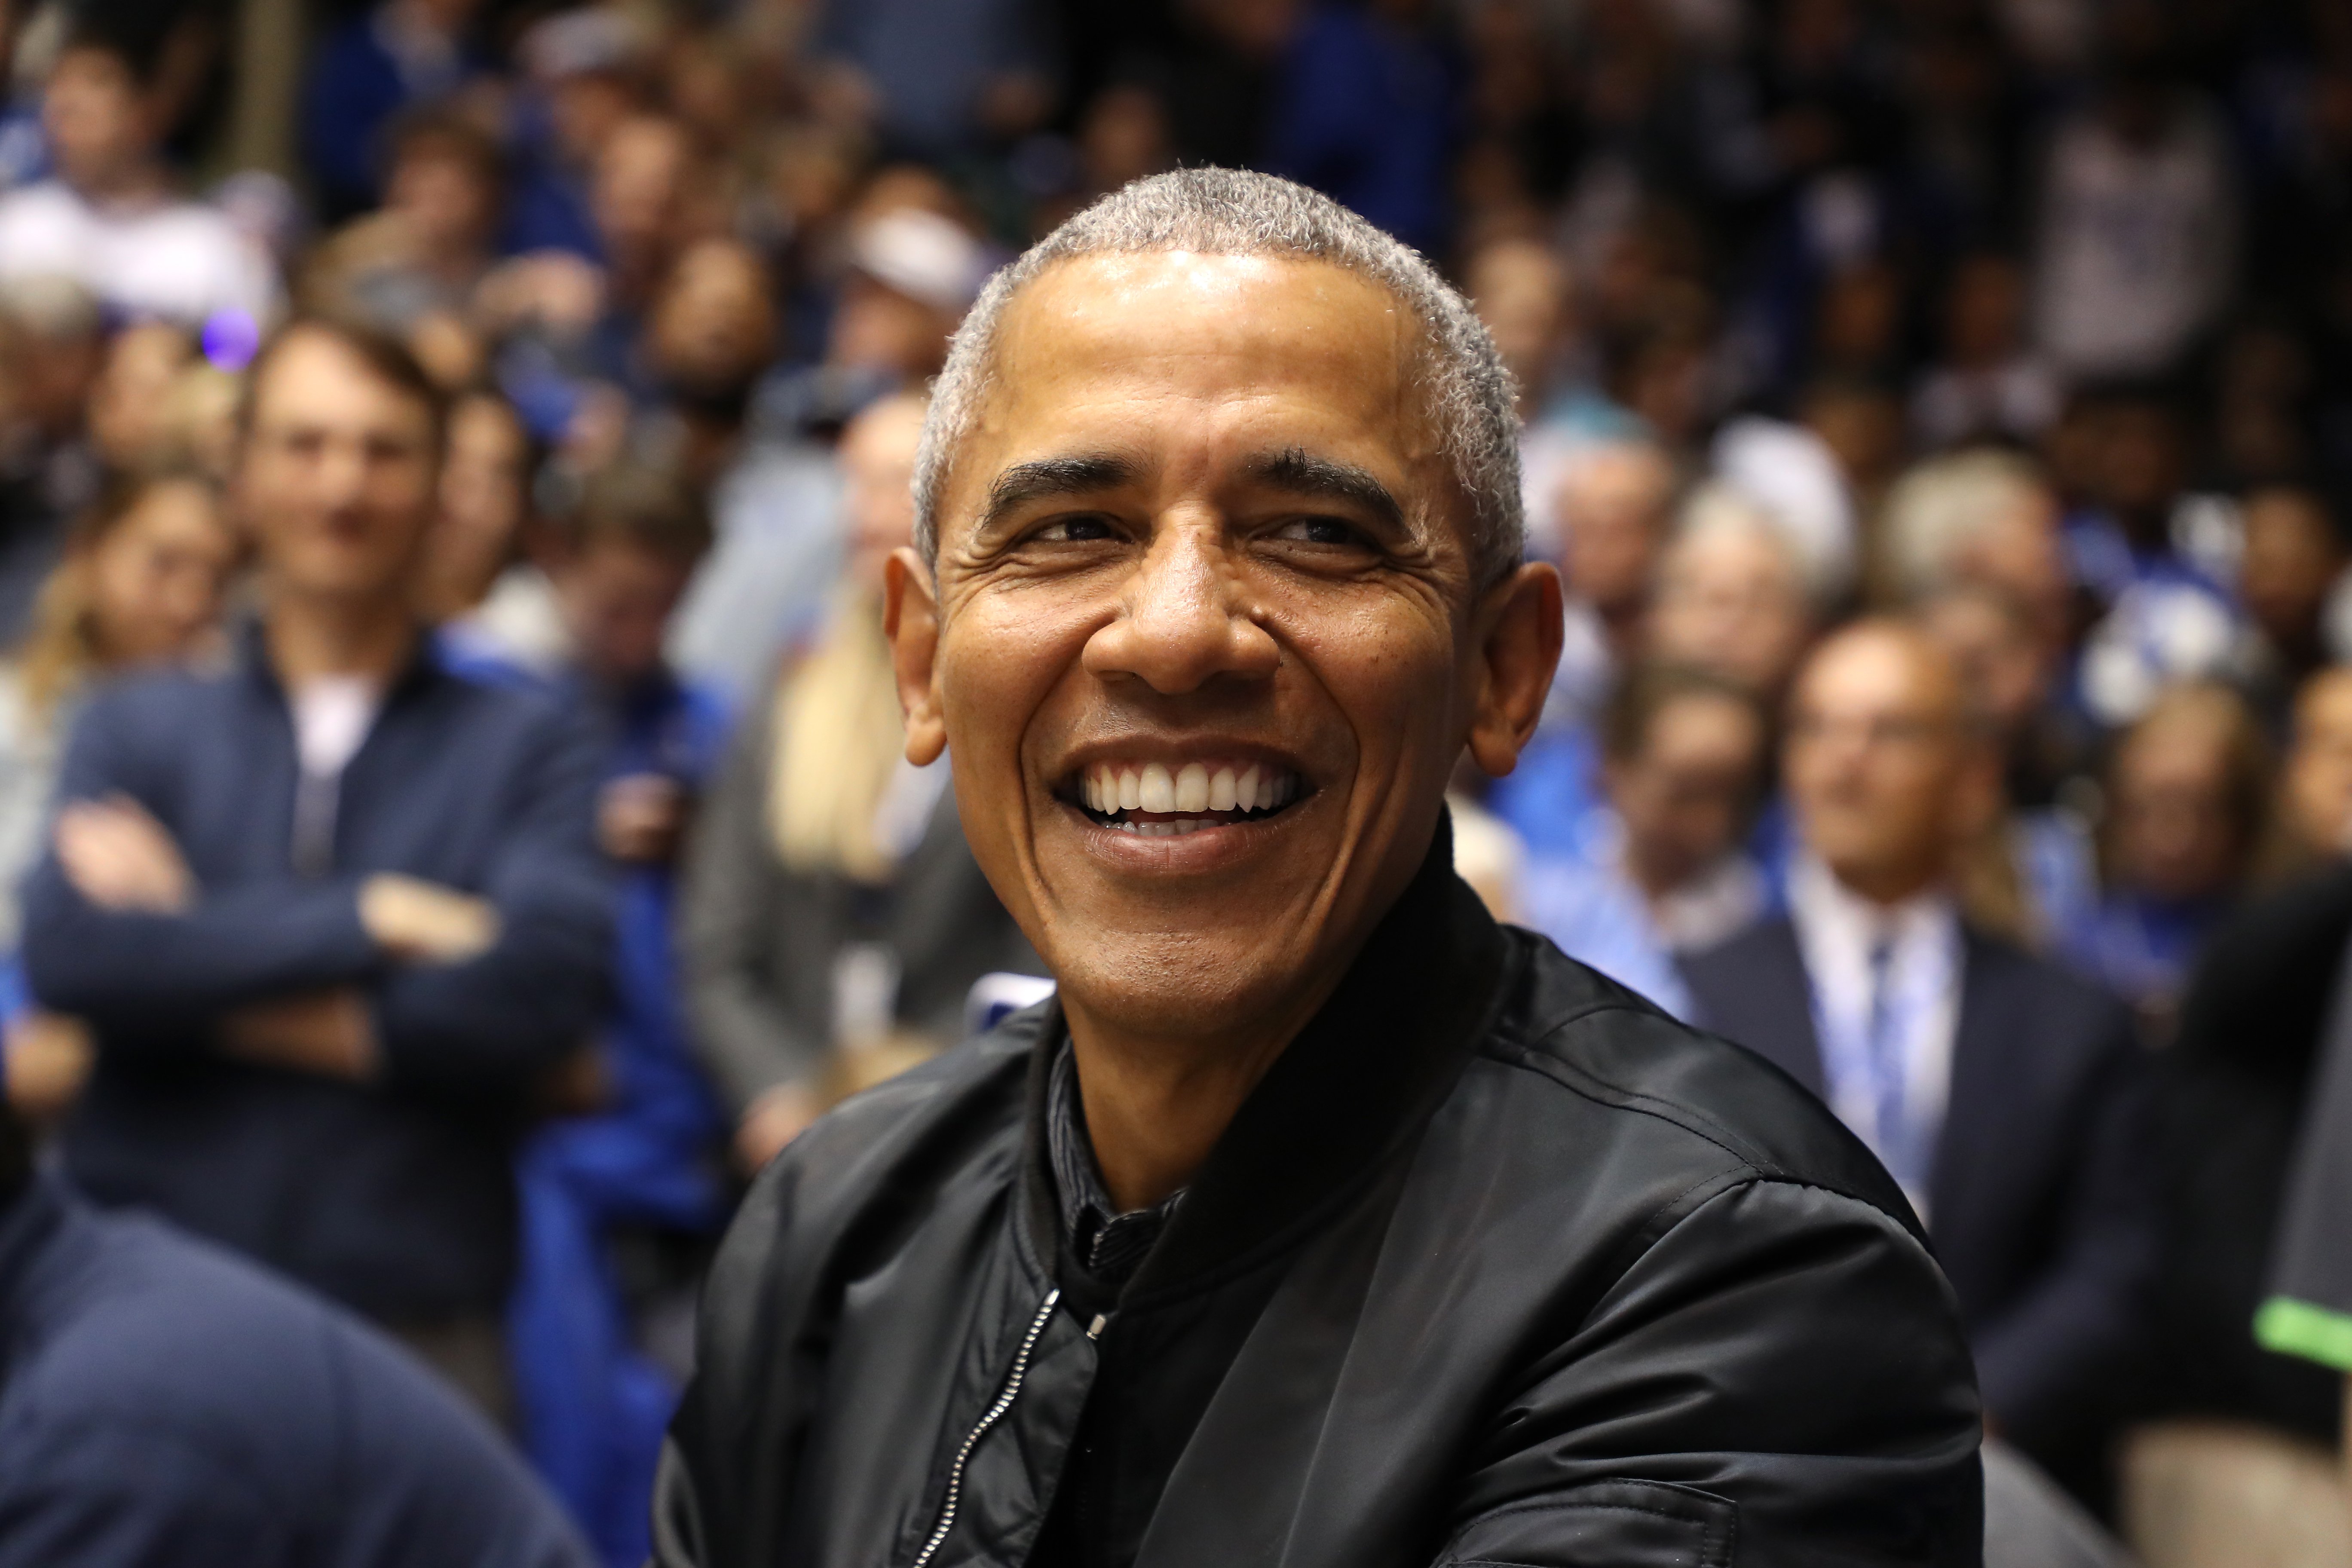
395,1197
2139,948
358,84
930,60
1365,114
164,1404
1552,798
1595,917
594,1407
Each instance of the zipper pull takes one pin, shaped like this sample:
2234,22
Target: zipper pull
1095,1329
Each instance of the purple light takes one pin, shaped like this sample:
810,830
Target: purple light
231,339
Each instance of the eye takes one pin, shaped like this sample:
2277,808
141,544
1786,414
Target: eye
1329,532
1080,528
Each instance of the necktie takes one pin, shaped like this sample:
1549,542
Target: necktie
1887,1067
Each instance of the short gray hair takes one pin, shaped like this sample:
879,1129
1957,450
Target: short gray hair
1466,392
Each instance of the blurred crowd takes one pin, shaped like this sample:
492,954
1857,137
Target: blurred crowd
1939,411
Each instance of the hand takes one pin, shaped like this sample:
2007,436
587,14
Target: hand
639,818
121,859
327,1033
773,1120
416,922
49,1059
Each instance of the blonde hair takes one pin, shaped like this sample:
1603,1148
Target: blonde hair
1934,512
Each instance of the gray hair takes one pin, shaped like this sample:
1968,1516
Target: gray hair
1467,394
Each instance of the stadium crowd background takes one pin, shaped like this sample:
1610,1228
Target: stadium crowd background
2018,332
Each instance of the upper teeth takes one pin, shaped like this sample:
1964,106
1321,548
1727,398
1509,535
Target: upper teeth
1155,787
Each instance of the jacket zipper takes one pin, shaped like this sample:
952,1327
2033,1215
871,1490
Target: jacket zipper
994,1412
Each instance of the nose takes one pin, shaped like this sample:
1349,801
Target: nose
1184,617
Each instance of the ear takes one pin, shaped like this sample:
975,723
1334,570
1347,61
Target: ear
910,617
1517,627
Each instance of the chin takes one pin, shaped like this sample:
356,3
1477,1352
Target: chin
1169,985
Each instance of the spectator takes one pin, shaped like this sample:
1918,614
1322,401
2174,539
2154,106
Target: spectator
830,901
593,1403
1665,872
936,80
2188,789
165,1403
131,405
141,581
1732,597
477,583
330,911
413,268
108,219
583,76
2137,228
1521,288
1614,502
2002,1092
51,346
1987,386
2290,568
2314,825
399,55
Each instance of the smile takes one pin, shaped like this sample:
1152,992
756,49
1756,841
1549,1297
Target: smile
1156,800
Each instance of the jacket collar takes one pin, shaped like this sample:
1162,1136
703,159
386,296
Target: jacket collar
1358,1082
251,642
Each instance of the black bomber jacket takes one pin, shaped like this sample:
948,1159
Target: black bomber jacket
1498,1264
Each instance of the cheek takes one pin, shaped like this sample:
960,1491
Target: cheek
996,668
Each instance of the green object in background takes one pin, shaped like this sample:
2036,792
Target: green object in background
2299,1328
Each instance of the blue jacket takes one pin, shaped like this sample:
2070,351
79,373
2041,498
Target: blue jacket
164,1405
396,1197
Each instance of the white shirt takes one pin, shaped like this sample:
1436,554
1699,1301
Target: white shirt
1903,1011
154,258
332,714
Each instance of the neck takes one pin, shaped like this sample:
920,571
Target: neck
311,636
118,182
1156,1104
1888,887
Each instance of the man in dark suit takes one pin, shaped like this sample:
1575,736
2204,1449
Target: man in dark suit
2004,1094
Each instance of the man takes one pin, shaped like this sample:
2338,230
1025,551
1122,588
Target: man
1662,869
1321,1220
164,1404
332,911
2002,1093
110,220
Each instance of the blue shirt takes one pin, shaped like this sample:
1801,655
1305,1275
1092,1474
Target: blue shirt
163,1404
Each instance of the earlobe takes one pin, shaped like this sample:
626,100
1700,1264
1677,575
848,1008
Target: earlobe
910,616
1516,656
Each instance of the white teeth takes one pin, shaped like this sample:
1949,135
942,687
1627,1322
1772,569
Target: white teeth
1191,787
1221,790
1091,790
1130,799
1158,791
1245,790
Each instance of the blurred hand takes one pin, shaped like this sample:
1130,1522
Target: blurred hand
639,818
773,1120
327,1033
416,922
119,857
554,290
48,1058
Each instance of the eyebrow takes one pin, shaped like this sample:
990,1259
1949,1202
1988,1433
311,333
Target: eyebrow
1053,479
1300,472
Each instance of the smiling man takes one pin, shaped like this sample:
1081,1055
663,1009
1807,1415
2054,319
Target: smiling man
1319,1220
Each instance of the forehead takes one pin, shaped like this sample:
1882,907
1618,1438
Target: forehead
1241,349
1879,671
316,379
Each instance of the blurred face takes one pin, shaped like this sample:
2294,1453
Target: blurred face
1728,603
878,328
1999,660
877,471
133,393
339,477
2290,561
2141,462
444,201
640,175
1986,311
1205,646
1876,764
1612,514
2319,768
616,598
2175,837
1684,799
483,490
2017,552
714,328
1521,290
95,118
157,577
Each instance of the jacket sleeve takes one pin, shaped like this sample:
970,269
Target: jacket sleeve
1783,1370
535,996
2046,1360
113,1494
145,977
746,1040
